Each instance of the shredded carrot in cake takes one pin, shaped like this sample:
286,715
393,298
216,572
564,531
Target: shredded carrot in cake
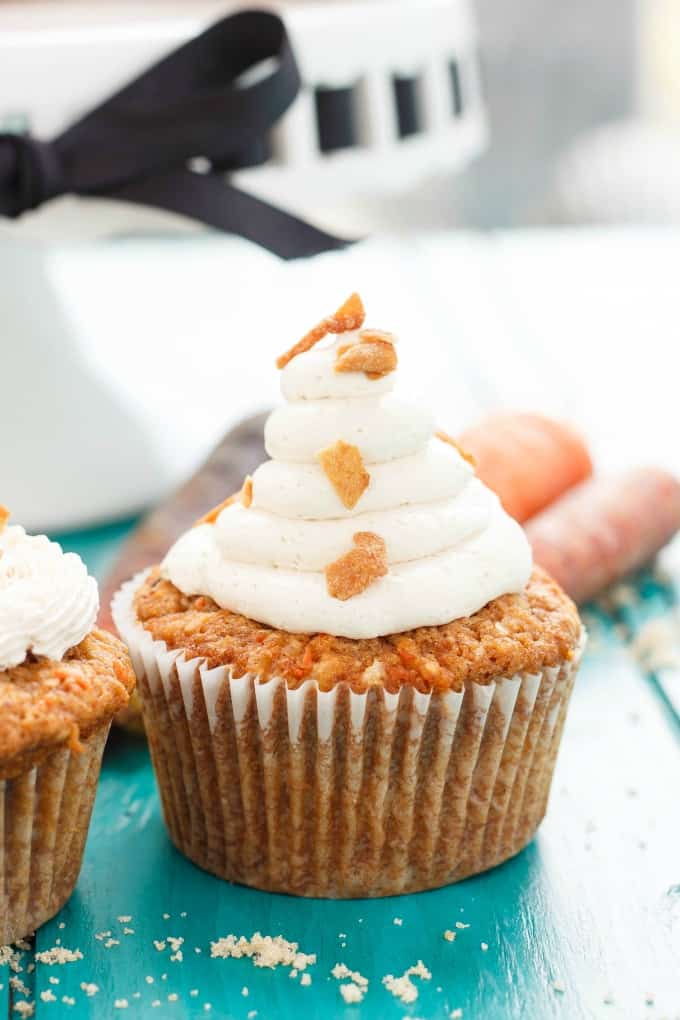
357,569
344,467
350,315
446,438
4,516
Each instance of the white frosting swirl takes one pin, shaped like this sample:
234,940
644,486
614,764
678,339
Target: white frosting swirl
451,548
48,603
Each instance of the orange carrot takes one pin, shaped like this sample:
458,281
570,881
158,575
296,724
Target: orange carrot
528,460
605,528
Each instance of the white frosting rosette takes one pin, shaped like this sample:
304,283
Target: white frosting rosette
48,602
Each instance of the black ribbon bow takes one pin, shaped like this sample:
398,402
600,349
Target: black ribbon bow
138,145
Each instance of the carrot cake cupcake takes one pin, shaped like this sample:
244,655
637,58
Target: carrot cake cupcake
61,680
353,681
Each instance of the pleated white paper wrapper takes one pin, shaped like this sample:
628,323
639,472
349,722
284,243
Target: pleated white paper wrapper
338,794
44,820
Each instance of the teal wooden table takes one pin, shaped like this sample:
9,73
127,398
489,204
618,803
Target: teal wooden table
584,923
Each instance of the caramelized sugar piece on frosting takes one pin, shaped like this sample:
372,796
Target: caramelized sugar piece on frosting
4,516
358,568
247,492
344,467
446,438
350,315
375,354
213,514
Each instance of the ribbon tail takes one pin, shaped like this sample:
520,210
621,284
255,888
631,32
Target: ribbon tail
211,200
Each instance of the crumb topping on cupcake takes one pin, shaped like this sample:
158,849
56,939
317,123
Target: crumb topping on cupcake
348,459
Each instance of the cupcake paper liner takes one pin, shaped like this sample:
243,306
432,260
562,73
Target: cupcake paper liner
338,794
44,818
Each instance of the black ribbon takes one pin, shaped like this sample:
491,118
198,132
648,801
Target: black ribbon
138,145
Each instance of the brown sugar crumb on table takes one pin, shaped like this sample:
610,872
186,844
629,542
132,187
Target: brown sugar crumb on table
514,633
343,465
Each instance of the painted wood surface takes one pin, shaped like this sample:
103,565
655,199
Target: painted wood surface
584,923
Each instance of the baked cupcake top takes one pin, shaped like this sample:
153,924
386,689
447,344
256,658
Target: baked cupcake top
60,677
366,521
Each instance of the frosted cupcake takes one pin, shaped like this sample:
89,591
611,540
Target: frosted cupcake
61,680
353,682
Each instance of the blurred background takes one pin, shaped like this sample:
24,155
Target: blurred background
512,170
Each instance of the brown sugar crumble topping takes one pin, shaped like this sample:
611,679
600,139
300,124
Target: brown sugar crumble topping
247,492
349,316
514,633
446,438
358,568
375,354
344,467
244,495
213,514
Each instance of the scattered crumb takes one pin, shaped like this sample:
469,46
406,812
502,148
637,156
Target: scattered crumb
155,1004
24,1009
398,921
48,995
61,925
460,924
207,1006
53,980
121,1004
128,931
352,993
111,942
17,984
357,987
89,988
245,992
252,1014
306,980
68,1000
456,1014
166,917
263,950
403,988
183,913
160,946
125,918
449,935
173,997
136,995
559,986
484,946
193,992
148,979
101,935
59,954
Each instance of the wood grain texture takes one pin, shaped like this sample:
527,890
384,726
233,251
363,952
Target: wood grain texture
238,453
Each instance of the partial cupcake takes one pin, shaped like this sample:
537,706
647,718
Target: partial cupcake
353,682
61,681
